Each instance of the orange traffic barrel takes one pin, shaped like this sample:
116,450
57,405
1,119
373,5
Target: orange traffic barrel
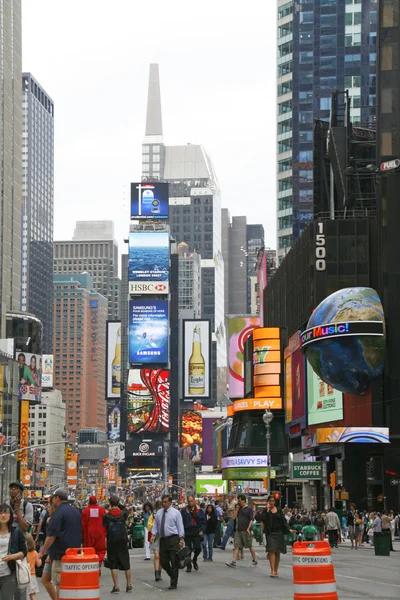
313,572
80,575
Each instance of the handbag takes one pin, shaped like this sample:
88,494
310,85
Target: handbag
106,563
22,573
183,557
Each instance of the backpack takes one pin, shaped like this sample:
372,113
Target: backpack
116,531
320,522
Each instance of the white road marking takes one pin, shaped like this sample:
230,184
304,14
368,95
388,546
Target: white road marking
358,578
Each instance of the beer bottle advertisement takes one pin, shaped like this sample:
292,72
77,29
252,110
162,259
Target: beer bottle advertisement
113,364
197,359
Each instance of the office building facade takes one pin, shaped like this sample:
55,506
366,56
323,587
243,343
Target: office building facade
10,171
80,315
93,250
189,282
322,46
37,205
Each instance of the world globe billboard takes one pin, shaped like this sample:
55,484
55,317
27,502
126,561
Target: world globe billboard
345,339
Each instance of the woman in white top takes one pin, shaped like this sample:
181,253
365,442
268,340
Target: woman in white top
12,548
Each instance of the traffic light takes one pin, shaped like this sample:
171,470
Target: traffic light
276,496
44,474
265,483
99,490
68,453
332,480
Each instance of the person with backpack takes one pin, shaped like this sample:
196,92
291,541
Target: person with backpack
117,543
320,525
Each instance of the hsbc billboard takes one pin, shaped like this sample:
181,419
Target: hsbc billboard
148,287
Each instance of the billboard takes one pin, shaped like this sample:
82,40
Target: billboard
239,329
196,358
29,376
307,470
148,262
114,422
149,201
324,403
267,363
48,371
295,382
148,400
210,486
192,435
138,447
113,360
148,331
72,471
345,435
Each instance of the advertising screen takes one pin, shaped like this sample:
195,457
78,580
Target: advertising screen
114,422
148,331
148,400
345,435
137,447
324,402
211,486
113,360
29,376
148,262
196,359
192,435
239,329
298,385
288,390
47,373
149,201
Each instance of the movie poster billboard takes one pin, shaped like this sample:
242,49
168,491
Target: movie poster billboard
325,404
48,371
114,422
148,262
148,400
239,330
29,376
113,360
295,382
149,201
191,435
197,358
148,331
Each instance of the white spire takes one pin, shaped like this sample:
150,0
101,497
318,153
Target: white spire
154,117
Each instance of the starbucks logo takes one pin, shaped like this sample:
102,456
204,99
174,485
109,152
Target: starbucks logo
144,448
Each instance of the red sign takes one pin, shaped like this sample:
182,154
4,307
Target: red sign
148,400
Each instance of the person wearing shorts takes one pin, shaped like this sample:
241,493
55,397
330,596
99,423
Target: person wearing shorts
243,536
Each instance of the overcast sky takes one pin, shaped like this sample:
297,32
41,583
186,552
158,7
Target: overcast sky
217,69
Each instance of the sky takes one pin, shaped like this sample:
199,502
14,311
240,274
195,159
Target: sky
218,88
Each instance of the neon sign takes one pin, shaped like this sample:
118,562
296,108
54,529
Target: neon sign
344,329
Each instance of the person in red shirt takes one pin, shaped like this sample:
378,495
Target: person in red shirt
93,531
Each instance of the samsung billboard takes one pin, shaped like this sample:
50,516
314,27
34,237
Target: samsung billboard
148,331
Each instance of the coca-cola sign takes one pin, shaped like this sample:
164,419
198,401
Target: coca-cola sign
148,400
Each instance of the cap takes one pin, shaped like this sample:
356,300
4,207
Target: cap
92,500
17,484
60,493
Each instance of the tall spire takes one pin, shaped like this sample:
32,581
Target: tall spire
154,118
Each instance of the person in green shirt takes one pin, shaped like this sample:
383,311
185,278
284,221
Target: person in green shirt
309,532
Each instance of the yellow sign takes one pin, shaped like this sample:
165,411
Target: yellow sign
72,471
257,404
24,433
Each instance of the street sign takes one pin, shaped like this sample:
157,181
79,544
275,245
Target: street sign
395,481
390,164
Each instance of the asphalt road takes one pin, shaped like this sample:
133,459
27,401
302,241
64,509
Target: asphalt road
359,575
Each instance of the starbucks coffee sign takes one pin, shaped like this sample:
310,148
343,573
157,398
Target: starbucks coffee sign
307,470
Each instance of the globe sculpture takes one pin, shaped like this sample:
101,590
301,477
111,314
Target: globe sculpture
346,361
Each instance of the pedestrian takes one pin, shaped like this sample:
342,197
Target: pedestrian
34,561
276,527
228,520
353,525
219,513
168,525
64,531
194,523
117,543
386,520
46,573
93,530
243,535
155,546
320,525
309,532
41,529
212,525
332,524
147,512
12,547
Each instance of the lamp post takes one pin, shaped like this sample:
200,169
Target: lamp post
267,418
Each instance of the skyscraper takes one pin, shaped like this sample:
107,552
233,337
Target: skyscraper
10,165
189,283
37,205
93,250
80,315
194,213
322,46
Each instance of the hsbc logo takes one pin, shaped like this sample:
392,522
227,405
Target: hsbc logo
148,287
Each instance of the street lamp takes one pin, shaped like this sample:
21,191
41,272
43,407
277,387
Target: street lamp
267,418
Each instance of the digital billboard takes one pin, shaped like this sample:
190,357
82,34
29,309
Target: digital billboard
196,359
148,262
295,381
267,363
113,359
209,486
114,422
345,435
324,403
137,447
149,201
148,400
192,435
239,329
148,331
48,371
29,376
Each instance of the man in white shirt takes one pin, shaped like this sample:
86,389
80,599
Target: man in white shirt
168,525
